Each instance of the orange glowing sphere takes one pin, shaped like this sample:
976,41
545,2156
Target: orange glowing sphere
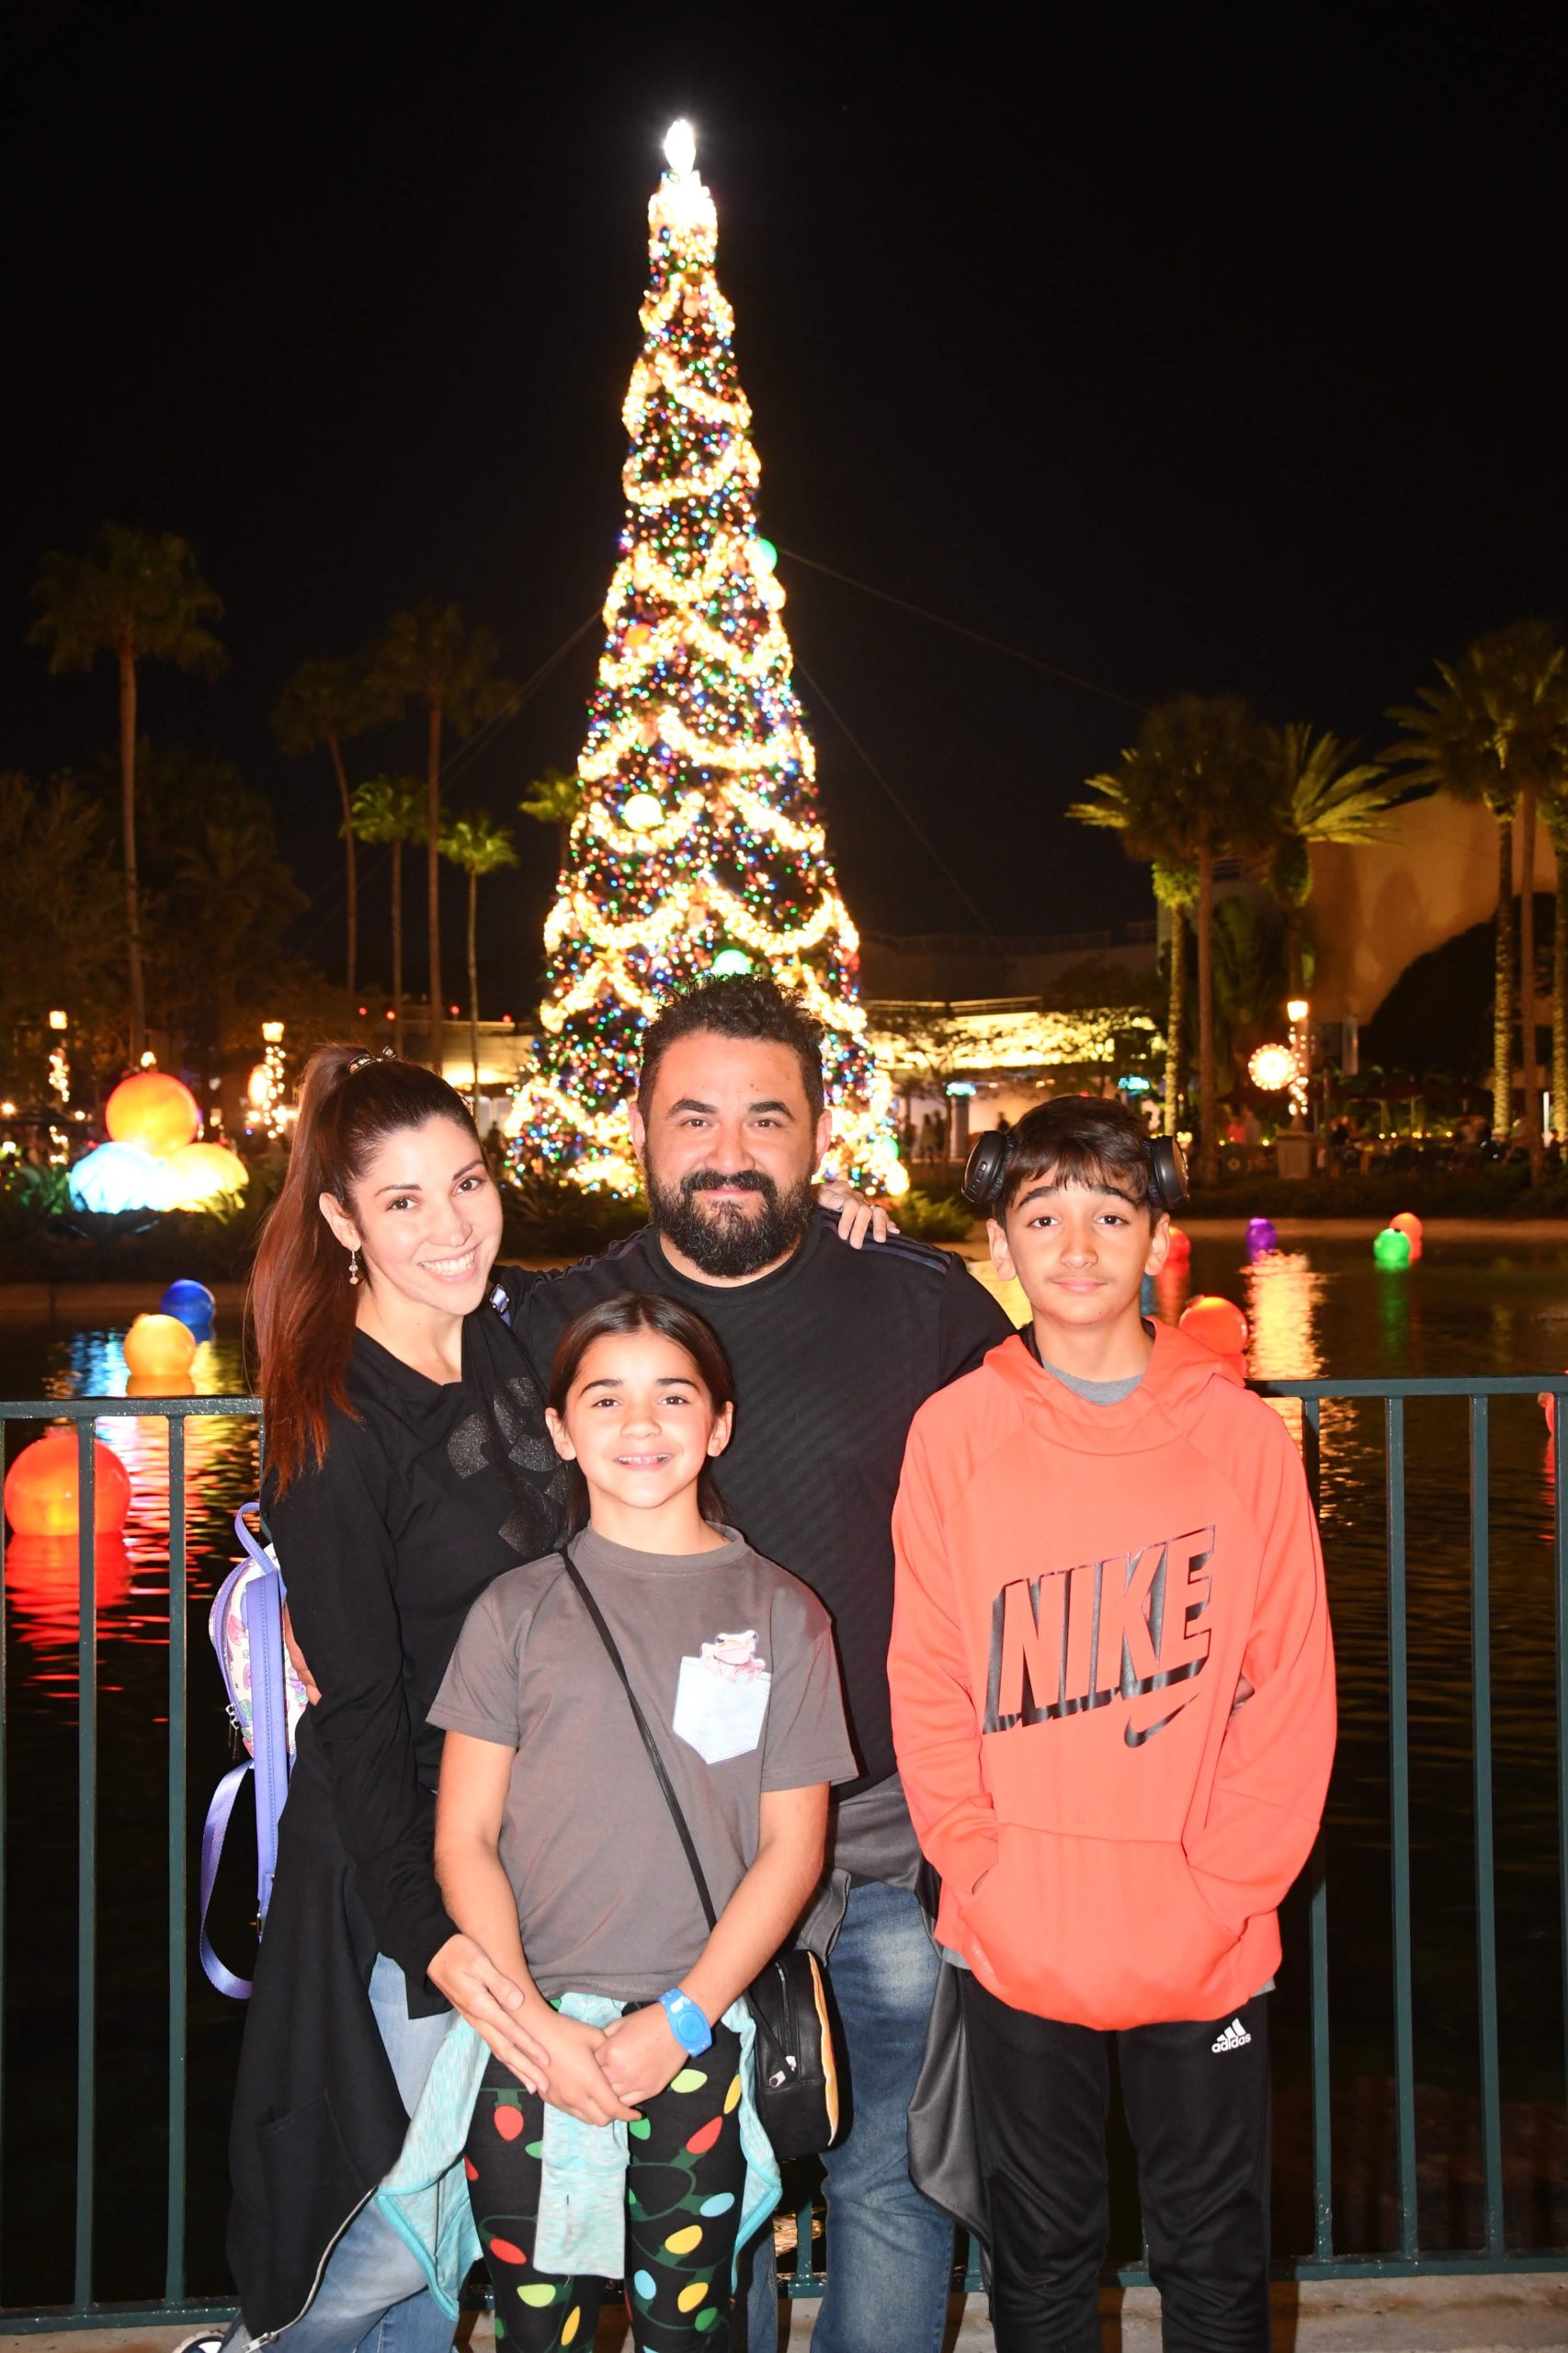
154,1110
158,1346
1409,1224
1180,1249
41,1487
1218,1323
161,1384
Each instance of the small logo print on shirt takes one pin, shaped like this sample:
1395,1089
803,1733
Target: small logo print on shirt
1234,2038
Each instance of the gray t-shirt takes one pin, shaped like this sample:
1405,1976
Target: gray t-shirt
732,1663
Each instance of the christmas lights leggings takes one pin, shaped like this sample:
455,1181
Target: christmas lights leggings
684,2178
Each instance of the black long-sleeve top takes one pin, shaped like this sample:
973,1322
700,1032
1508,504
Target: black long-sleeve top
384,1547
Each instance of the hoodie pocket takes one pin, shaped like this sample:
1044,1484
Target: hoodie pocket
1097,1932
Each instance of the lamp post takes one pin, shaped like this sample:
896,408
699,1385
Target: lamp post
1299,1011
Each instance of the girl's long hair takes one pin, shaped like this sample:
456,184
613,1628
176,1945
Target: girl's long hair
302,1304
636,1311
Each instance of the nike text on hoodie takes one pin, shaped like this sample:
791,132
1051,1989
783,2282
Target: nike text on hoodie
1081,1588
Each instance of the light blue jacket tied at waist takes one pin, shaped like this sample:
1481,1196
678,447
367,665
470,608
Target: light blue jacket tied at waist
582,2214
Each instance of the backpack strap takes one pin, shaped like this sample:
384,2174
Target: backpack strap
221,1979
262,1607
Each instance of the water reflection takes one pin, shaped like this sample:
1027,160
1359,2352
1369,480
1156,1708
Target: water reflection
133,1571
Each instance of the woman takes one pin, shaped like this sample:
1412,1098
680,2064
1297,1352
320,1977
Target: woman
389,1384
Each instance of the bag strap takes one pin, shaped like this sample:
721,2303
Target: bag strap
649,1743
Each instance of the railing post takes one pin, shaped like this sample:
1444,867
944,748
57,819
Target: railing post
1485,1895
1560,1562
1398,1827
86,1855
173,2267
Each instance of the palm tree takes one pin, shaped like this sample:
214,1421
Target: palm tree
1554,808
1193,788
1497,731
431,654
555,799
1175,887
1323,795
479,846
324,705
391,809
136,595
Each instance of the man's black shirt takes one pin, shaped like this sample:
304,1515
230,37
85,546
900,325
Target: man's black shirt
833,1354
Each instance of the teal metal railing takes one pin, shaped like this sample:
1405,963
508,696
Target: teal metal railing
804,2276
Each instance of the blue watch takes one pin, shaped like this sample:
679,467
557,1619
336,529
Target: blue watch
688,2023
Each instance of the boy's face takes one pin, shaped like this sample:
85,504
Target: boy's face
1080,1252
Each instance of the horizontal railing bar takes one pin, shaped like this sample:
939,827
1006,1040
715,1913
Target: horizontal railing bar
92,1409
1498,1384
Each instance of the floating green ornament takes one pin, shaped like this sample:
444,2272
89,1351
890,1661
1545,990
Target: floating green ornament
1391,1248
767,555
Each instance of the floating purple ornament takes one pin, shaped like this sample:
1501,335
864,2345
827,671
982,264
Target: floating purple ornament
1261,1237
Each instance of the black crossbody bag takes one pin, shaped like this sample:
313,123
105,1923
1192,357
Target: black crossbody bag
796,2089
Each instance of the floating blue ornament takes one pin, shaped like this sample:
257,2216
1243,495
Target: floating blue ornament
191,1301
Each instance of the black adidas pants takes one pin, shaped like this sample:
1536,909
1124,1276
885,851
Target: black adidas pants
1196,2103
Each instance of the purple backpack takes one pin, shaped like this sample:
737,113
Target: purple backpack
266,1702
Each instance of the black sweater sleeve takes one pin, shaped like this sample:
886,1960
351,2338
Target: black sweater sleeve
336,1554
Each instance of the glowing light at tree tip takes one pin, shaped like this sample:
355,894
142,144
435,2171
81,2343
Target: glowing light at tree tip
680,146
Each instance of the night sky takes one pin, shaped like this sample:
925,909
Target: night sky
1173,347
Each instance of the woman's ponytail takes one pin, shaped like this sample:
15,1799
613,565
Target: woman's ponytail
302,1305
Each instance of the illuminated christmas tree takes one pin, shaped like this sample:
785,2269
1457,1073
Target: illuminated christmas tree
697,846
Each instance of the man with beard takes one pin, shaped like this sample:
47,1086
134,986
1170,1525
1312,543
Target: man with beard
833,1350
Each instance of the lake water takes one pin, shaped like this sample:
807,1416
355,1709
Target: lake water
1318,1308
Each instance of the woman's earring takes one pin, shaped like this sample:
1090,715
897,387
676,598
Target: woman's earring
353,1265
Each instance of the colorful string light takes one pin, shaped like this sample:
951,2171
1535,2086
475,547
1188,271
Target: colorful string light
699,846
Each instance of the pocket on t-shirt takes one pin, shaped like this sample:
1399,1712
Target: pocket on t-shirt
718,1716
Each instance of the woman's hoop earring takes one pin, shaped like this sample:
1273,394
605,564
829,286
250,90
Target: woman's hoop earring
353,1266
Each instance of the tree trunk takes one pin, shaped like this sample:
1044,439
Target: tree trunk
1294,983
433,885
397,943
1559,998
474,983
1208,1084
1503,989
138,1024
1175,1022
350,871
1533,1144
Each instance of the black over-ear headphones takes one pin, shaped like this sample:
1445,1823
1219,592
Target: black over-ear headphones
987,1166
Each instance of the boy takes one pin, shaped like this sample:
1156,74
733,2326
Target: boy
1113,1708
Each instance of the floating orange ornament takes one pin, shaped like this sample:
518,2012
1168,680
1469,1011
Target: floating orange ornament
1409,1224
1218,1323
154,1110
159,1346
44,1484
1180,1248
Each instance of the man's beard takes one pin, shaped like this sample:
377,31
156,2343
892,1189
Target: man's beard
726,1241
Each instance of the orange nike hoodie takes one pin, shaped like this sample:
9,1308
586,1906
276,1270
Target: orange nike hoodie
1080,1589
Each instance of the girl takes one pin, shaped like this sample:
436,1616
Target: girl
556,1852
408,1466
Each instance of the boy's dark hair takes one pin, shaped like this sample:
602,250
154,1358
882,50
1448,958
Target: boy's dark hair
742,1005
636,1311
1081,1140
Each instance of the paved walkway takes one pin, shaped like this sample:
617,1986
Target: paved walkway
1527,2312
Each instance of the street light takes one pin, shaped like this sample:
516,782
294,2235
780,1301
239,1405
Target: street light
1299,1011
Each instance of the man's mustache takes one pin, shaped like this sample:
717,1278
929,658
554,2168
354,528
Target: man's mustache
710,1181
